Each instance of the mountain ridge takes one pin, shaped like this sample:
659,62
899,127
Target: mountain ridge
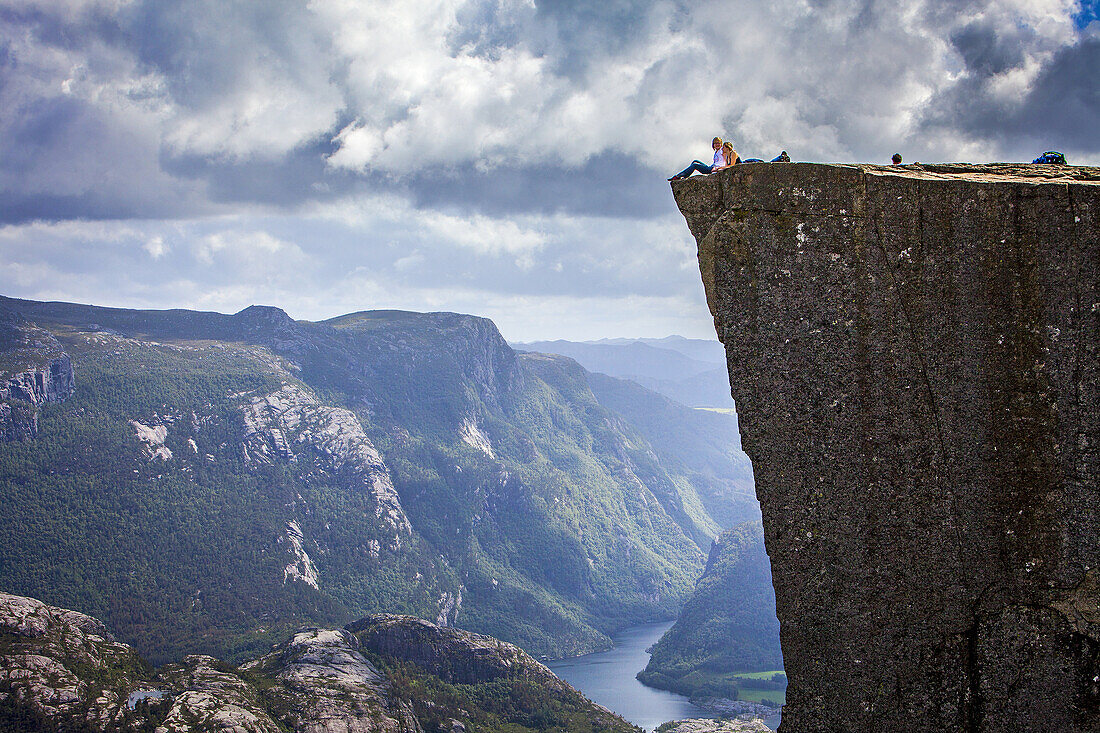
286,457
670,366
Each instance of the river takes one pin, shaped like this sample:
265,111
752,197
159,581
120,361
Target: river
608,678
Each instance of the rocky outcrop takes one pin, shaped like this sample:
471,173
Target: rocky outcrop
706,725
57,664
208,696
291,423
507,681
914,357
326,685
34,369
455,656
62,670
153,437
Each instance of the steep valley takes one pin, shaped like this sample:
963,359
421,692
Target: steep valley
208,483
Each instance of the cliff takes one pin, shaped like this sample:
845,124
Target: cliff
914,357
33,369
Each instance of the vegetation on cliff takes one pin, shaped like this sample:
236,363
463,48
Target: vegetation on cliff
726,641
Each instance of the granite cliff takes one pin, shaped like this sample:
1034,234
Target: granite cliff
34,369
914,356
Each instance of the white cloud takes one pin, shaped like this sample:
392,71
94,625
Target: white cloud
411,85
156,247
379,105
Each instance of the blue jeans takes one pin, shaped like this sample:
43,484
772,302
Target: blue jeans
695,166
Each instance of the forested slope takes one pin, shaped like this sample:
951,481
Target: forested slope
210,481
728,629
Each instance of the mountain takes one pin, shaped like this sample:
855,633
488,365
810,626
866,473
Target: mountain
63,671
206,483
728,632
703,446
690,371
705,350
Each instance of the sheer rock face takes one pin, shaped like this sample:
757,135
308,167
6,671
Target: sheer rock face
914,353
33,369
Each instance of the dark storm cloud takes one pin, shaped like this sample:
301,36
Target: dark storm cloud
64,159
205,48
581,32
610,184
298,177
1060,110
1064,103
985,50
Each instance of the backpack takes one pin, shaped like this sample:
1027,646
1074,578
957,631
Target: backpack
782,158
1051,156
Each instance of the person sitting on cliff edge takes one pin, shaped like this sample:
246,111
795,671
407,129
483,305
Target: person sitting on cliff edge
701,167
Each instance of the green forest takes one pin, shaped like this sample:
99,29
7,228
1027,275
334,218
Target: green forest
726,641
539,514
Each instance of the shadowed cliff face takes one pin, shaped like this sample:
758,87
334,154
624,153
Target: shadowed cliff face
914,356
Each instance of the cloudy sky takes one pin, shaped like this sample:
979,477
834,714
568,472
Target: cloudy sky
500,157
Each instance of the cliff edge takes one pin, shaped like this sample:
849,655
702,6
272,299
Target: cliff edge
914,356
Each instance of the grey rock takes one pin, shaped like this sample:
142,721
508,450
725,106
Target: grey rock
453,655
34,369
707,725
210,698
328,686
291,424
915,355
62,664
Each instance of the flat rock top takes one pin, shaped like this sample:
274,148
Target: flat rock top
991,172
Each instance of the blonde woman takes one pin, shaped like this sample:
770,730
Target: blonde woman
701,167
729,155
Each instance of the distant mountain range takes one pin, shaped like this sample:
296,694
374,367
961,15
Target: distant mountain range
208,483
690,371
